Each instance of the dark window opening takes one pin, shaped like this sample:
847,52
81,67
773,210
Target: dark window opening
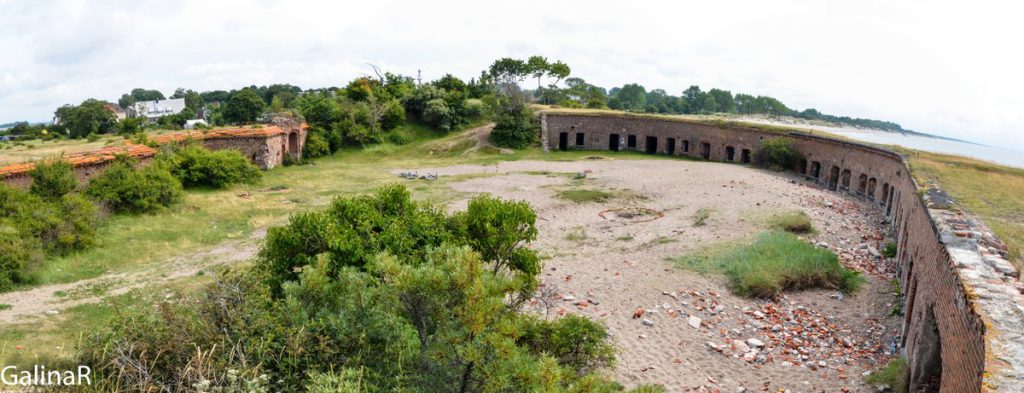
862,184
705,152
816,169
730,153
686,146
579,139
563,141
845,178
745,156
671,146
613,142
871,188
651,145
631,141
926,375
803,167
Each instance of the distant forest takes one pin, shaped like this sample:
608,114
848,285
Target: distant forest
635,98
441,104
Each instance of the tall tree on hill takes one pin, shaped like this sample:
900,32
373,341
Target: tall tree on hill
537,66
139,94
193,100
723,100
559,71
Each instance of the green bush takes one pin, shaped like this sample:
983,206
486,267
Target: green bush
778,153
53,179
374,293
514,129
316,146
125,188
59,225
575,341
18,255
195,166
773,263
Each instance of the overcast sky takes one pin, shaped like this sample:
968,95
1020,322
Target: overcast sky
945,67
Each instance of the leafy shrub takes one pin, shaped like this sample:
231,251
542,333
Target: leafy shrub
514,129
125,188
377,293
18,255
575,341
393,116
53,179
59,225
397,137
778,153
773,263
195,166
316,146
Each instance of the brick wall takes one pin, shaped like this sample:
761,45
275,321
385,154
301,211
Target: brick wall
944,334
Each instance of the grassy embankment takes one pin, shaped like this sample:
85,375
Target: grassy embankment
995,193
204,219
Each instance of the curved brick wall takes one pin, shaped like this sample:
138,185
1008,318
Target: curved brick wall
963,327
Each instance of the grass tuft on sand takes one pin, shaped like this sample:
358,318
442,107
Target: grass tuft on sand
896,374
774,262
793,222
586,196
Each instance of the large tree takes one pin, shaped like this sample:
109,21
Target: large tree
633,96
89,117
245,106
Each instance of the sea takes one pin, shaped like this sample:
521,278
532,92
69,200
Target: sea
994,154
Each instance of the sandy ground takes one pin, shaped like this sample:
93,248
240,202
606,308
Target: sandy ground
607,269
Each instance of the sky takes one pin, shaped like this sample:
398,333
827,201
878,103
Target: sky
952,68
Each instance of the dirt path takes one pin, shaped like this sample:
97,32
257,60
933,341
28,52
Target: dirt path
29,304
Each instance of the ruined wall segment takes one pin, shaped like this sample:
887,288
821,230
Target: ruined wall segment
86,165
963,328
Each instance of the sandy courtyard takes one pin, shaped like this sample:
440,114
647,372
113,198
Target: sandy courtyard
681,329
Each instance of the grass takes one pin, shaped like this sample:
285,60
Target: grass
700,218
774,262
577,234
896,374
5,306
793,222
586,196
32,150
990,191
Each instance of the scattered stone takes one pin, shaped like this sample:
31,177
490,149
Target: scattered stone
741,346
647,322
755,343
51,312
694,322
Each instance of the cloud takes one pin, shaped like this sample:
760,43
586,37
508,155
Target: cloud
935,66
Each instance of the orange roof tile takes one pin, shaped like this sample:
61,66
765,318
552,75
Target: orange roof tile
238,132
103,155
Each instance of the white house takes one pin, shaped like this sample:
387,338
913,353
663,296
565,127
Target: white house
153,110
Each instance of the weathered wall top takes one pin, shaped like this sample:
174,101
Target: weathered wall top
95,157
